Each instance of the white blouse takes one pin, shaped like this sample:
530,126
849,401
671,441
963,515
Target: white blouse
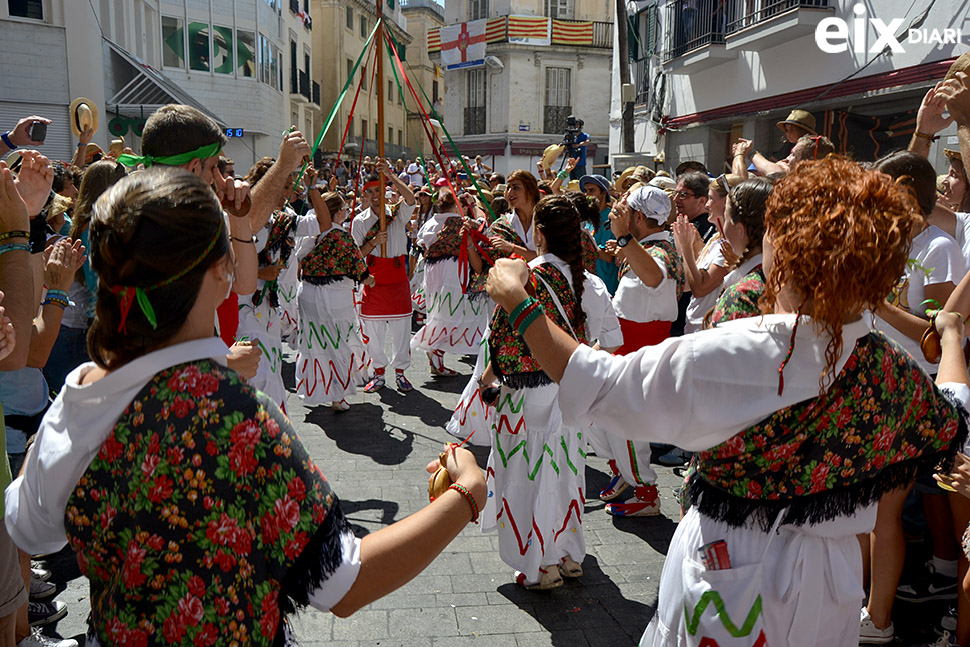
397,232
636,301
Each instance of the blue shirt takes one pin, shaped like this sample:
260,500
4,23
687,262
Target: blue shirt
580,151
606,270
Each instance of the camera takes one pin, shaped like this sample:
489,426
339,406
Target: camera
572,129
38,131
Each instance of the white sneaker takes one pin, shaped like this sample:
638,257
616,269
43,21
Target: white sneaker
37,639
869,634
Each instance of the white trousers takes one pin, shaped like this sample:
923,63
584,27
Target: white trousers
375,332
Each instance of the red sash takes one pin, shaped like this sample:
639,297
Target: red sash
391,294
636,335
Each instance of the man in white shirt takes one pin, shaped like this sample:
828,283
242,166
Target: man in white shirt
651,280
386,304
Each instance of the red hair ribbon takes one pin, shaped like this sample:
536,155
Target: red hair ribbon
127,299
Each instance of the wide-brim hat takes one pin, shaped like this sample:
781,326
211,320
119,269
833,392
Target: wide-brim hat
83,113
690,166
953,155
551,154
962,64
802,118
598,180
663,182
92,150
14,160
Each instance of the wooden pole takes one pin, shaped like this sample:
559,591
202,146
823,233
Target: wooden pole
380,113
622,22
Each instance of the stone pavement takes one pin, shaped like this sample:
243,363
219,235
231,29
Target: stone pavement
375,456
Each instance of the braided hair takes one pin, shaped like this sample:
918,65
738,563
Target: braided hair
587,212
746,206
558,219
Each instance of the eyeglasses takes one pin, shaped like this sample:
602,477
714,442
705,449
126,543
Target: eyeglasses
684,194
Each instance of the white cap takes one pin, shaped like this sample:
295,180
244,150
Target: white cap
652,202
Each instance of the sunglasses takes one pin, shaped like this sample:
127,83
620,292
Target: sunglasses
723,183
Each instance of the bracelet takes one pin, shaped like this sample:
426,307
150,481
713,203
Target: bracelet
251,241
56,301
6,140
461,489
526,302
18,233
52,292
517,320
530,318
563,174
11,247
926,136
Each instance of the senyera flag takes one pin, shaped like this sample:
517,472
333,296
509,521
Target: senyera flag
463,45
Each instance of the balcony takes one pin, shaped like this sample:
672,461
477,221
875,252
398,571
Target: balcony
316,93
305,86
760,24
694,35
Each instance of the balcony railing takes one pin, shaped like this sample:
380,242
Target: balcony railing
294,81
692,24
475,121
305,85
748,13
554,118
316,93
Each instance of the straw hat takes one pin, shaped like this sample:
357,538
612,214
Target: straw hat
962,64
551,154
953,155
84,113
14,160
92,150
802,118
631,175
59,205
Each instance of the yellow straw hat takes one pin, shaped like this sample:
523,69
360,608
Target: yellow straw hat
84,114
551,154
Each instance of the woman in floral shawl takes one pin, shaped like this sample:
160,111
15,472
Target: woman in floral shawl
194,509
332,359
802,417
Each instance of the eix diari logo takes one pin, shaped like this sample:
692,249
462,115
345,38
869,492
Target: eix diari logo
835,35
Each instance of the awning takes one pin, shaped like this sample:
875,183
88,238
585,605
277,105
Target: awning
149,89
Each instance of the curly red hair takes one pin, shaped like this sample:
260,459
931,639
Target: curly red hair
841,237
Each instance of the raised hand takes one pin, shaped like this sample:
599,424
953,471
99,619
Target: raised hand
930,119
20,135
294,151
64,260
34,181
13,209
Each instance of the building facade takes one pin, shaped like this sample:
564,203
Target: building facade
705,72
341,28
246,63
423,16
545,60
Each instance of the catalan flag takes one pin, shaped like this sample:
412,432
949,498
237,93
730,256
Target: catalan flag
532,30
434,41
495,30
570,32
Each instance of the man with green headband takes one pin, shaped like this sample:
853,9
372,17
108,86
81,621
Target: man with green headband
180,135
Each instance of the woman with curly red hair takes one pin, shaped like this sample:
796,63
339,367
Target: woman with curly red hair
801,417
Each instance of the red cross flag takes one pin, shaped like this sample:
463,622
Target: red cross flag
463,45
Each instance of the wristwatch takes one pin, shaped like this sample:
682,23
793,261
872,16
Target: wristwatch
623,241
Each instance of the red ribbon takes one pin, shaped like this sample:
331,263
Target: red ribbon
127,299
479,240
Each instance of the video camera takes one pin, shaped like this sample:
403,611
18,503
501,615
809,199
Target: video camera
572,129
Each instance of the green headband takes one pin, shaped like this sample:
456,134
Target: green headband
202,152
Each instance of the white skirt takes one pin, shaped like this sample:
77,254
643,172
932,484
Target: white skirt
332,360
535,479
809,579
456,321
263,323
417,288
472,420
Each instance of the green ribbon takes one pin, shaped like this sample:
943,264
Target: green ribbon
146,307
202,152
340,99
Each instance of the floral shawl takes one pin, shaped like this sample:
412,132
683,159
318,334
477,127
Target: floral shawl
202,520
512,361
741,299
282,226
665,252
447,244
880,422
334,257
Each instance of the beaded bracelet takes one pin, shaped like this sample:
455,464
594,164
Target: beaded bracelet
528,301
52,292
7,235
57,301
461,489
529,318
11,247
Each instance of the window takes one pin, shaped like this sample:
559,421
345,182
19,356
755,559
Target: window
350,68
350,18
475,103
390,135
222,50
363,26
173,42
26,9
199,46
390,90
350,129
434,92
269,63
273,4
558,99
245,53
400,137
377,132
477,9
363,128
294,69
561,9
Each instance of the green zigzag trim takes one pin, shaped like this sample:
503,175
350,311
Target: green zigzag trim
565,451
315,333
709,597
506,401
438,301
532,476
